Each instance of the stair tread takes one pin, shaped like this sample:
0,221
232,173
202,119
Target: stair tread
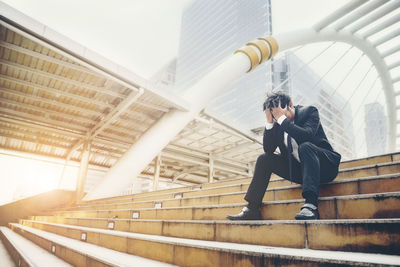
5,258
337,257
192,188
358,196
252,222
103,254
32,253
377,177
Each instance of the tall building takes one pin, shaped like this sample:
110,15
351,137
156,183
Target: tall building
211,30
165,77
375,129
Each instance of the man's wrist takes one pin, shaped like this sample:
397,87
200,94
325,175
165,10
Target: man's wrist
269,125
281,119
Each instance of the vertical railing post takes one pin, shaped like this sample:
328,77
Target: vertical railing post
210,168
157,166
83,168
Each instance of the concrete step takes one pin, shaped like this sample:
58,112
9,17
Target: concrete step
365,206
372,236
192,252
236,193
351,173
26,253
390,167
386,158
5,257
80,253
363,162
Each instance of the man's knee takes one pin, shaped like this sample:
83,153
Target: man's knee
306,148
261,158
264,158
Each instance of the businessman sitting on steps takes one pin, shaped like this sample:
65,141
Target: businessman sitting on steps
306,157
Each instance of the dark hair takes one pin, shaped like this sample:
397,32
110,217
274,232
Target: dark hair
273,100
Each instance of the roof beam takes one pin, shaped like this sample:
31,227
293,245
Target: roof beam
387,37
377,28
151,177
359,13
36,127
32,139
56,91
396,79
117,138
30,152
51,101
36,132
226,150
186,171
338,14
394,65
204,163
50,59
47,112
41,119
385,9
145,115
101,90
124,105
202,155
124,129
390,51
152,106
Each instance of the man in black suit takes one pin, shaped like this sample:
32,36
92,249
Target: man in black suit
306,157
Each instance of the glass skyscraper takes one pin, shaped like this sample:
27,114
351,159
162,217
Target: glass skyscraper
375,129
211,31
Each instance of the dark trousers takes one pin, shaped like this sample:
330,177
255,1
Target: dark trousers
317,165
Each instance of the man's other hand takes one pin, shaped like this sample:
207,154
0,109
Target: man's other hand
277,111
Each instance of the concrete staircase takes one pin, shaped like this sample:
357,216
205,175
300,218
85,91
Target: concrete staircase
359,226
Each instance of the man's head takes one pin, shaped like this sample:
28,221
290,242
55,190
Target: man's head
273,100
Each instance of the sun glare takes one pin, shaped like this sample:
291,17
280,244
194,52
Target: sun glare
23,177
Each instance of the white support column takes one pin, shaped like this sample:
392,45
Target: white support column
211,168
157,167
83,168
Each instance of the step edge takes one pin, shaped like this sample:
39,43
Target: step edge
253,223
369,178
57,239
257,250
277,179
352,197
21,253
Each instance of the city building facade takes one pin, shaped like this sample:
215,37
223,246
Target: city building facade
375,129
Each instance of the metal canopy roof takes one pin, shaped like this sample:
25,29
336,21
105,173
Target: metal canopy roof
51,102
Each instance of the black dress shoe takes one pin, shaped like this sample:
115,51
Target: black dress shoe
246,214
308,212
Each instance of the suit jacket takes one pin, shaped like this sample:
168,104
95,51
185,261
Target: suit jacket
305,128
